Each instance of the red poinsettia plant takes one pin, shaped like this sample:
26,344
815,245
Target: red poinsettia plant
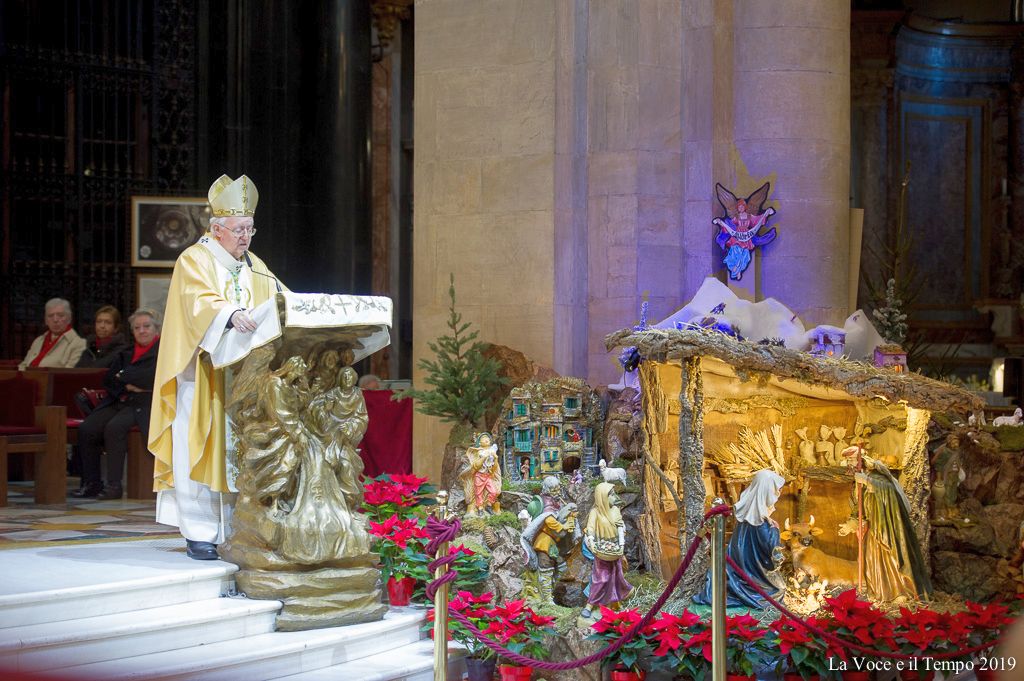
747,646
479,610
517,627
984,623
677,643
803,651
395,495
470,567
923,630
858,621
395,540
612,626
393,505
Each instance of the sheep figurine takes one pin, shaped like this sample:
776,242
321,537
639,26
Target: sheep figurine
1016,420
612,474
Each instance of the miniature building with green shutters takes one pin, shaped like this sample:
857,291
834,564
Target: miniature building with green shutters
549,428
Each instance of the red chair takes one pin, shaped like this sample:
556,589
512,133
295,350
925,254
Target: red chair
28,429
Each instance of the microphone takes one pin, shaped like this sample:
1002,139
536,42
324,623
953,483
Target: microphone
248,261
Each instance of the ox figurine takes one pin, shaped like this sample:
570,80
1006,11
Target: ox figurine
799,538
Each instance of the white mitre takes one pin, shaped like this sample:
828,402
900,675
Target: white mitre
233,198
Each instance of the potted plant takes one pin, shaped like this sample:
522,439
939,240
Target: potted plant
397,540
480,660
624,663
471,567
983,625
861,622
804,654
395,495
677,643
392,504
517,627
746,648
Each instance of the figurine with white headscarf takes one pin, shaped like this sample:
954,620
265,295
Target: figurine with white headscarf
753,542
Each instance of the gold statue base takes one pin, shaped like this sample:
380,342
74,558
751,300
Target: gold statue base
313,599
296,534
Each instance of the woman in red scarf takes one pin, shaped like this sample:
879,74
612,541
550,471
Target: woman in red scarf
60,346
129,384
105,342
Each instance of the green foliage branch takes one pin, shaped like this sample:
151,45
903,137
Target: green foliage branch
465,383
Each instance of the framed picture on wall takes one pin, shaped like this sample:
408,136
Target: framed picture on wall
164,226
151,291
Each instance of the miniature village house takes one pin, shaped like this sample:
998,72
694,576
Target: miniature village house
891,357
549,428
717,409
829,341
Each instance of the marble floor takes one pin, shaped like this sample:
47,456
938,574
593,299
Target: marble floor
23,523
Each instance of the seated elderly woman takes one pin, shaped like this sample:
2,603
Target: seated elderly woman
129,384
105,342
60,346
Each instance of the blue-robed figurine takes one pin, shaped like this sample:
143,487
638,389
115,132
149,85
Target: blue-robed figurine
752,544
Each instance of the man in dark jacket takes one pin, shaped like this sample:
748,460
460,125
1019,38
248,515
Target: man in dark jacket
129,384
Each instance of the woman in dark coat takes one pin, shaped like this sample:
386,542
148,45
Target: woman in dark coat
105,342
129,384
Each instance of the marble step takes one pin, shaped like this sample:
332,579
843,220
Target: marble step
414,662
266,656
52,645
66,583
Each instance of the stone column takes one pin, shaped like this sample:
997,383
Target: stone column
484,130
634,169
707,127
791,95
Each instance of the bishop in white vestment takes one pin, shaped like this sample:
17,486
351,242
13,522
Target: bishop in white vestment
212,289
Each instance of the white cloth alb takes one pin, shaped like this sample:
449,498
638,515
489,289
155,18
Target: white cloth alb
200,513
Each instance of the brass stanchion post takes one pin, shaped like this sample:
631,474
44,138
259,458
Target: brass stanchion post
718,585
441,601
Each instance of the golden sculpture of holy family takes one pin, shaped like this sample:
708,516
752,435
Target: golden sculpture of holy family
296,532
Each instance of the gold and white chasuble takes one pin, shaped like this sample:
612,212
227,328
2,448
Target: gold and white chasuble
188,432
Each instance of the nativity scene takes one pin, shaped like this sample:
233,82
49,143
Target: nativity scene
640,340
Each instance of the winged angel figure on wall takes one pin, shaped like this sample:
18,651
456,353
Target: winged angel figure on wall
738,228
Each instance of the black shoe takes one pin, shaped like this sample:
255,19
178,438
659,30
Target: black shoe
201,550
88,490
111,492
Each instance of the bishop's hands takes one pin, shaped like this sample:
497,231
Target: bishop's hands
242,322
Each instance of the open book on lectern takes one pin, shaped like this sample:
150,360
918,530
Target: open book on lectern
300,321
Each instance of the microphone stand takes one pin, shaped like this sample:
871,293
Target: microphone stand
248,261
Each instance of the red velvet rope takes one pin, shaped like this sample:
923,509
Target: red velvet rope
440,531
611,647
843,642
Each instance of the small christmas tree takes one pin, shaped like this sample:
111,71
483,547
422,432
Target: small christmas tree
891,320
465,382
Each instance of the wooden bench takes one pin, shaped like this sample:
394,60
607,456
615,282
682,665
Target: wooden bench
38,430
56,388
140,468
